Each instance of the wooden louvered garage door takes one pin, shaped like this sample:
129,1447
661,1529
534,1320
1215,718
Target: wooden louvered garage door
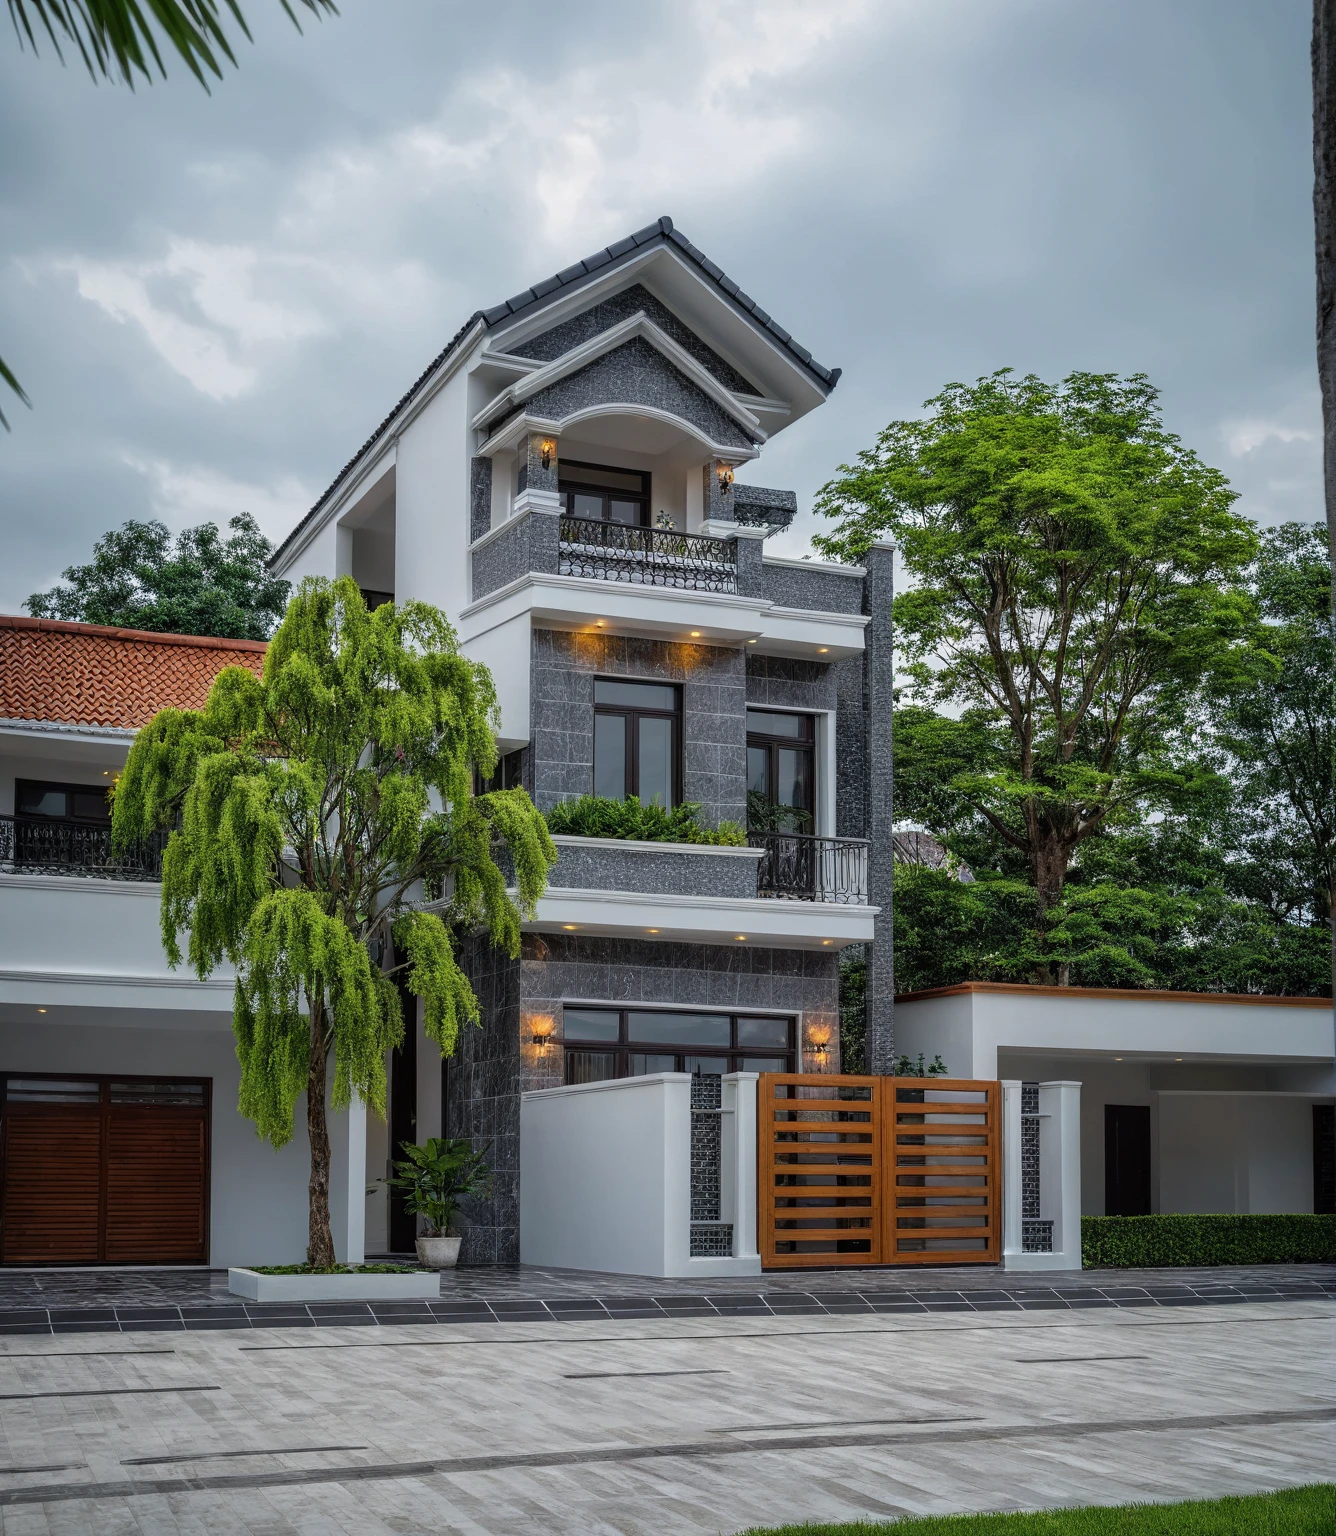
104,1170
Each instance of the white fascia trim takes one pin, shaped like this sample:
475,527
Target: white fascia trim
386,444
509,360
766,404
607,341
733,906
859,621
635,845
102,735
509,434
562,585
112,979
799,564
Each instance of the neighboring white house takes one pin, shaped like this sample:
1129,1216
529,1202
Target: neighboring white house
1193,1102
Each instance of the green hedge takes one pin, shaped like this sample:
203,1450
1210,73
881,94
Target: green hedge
594,816
1154,1242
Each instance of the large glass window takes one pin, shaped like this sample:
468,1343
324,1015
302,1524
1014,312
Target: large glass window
781,771
632,1042
62,802
637,729
604,494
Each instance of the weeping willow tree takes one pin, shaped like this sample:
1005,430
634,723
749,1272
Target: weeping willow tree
325,840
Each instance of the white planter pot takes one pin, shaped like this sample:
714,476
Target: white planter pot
439,1252
356,1287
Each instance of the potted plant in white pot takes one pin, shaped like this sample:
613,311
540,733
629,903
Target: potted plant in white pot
433,1178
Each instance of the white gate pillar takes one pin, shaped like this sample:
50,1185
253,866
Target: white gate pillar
1041,1176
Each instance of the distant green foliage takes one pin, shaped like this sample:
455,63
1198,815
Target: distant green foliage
906,1067
200,584
314,811
1309,1511
853,1013
595,816
1155,1242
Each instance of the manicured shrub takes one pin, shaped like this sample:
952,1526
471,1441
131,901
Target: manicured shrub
1153,1242
594,816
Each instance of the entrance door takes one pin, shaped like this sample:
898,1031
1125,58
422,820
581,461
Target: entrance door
1126,1160
104,1170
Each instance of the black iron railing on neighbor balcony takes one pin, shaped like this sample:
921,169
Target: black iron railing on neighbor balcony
801,867
650,557
37,845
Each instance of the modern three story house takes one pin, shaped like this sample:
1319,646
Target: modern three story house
566,482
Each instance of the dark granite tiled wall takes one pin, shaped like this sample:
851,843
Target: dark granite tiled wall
789,684
496,1063
713,714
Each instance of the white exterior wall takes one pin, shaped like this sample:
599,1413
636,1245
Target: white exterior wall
432,502
605,1176
1243,1152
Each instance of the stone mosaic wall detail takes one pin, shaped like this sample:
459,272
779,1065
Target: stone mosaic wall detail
707,1091
1036,1235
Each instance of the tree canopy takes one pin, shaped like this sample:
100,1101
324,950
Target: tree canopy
1075,586
328,843
199,584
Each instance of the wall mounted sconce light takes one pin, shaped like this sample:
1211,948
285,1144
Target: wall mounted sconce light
818,1043
545,451
541,1036
725,479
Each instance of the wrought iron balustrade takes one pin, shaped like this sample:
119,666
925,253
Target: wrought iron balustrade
651,557
42,846
800,867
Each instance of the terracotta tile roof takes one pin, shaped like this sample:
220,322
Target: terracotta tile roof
88,674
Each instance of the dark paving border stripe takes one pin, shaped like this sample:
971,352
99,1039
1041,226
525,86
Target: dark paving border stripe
282,1450
1071,1359
25,1397
57,1466
622,1375
81,1354
454,1465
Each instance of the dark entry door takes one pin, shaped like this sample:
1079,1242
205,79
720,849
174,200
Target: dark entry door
1127,1160
104,1170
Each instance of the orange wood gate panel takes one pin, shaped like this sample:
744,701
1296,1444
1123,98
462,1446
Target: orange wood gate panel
877,1170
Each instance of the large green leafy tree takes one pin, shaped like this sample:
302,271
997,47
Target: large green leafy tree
1280,735
1076,581
202,584
119,40
327,842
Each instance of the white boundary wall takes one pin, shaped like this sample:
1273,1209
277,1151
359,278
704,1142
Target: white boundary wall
605,1176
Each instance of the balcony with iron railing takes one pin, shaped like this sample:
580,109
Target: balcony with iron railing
650,557
38,845
798,866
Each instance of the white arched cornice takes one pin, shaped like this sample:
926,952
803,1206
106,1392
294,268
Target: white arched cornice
607,341
519,425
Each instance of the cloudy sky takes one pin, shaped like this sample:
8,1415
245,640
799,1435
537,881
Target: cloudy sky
212,299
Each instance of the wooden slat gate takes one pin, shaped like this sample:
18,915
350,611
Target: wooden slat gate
878,1170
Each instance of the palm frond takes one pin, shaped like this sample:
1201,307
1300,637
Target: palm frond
7,376
118,39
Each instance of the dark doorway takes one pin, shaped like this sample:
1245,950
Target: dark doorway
403,1120
1324,1159
1127,1160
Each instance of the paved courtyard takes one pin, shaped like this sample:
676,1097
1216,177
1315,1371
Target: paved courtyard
690,1424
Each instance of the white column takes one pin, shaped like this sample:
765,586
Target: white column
1011,1173
348,1183
1060,1169
739,1166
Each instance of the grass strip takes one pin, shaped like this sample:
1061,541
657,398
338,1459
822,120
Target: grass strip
1309,1511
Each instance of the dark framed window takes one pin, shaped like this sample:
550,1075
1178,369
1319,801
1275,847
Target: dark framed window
637,741
631,1042
781,764
508,774
603,493
86,803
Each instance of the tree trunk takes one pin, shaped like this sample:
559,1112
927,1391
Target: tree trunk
320,1241
1049,858
1324,220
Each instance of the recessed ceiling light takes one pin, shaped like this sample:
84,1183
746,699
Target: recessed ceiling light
1178,1058
569,927
695,634
41,1010
651,930
828,941
1117,1058
751,642
741,938
822,650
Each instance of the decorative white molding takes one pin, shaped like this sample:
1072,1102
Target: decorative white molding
149,888
113,979
814,565
532,500
507,435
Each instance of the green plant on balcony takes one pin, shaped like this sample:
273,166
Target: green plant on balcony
597,816
764,816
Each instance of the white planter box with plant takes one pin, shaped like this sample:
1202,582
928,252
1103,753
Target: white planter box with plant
373,1283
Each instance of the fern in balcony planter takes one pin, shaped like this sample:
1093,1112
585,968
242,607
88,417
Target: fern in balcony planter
595,816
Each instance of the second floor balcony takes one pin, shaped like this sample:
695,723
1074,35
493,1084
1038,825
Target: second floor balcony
40,845
651,557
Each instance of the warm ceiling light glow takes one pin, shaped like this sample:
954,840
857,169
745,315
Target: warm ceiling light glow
741,938
751,642
823,650
651,930
695,634
828,941
1117,1058
598,623
569,927
41,1010
1178,1058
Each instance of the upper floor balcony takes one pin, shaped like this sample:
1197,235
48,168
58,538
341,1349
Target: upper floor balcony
40,845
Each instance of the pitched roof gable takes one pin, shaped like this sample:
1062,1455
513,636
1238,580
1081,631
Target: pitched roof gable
660,233
58,673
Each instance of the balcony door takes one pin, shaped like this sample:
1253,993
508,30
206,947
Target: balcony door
637,741
781,771
600,493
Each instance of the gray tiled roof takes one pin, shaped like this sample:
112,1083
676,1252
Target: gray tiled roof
661,232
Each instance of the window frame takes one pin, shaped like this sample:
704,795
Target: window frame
66,789
772,744
623,1048
570,485
633,713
